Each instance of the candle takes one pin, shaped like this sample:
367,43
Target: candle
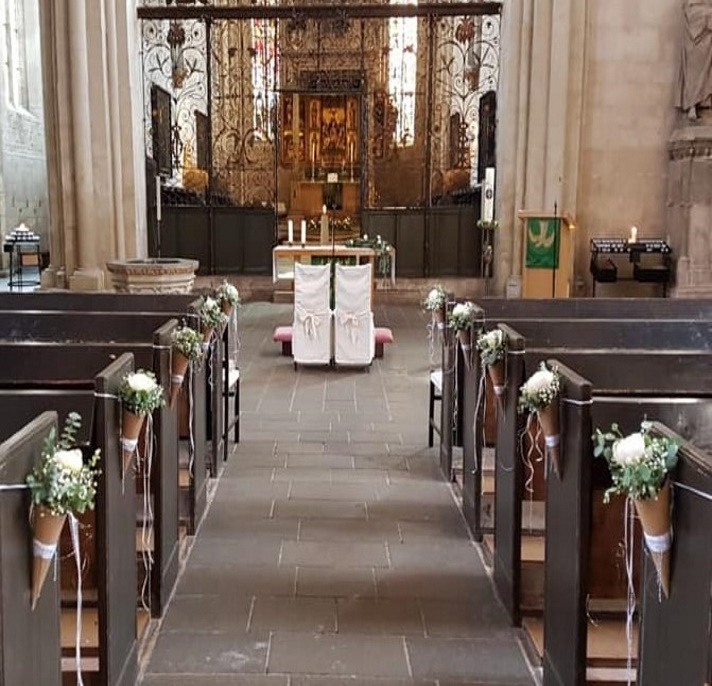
290,231
314,152
323,209
158,198
633,234
304,231
351,151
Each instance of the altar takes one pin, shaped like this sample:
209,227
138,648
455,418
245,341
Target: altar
284,257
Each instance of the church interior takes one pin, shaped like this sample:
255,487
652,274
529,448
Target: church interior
387,327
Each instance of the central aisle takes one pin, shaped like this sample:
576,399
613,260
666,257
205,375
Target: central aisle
333,552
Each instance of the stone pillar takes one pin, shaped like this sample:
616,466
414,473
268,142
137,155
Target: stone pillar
689,215
94,138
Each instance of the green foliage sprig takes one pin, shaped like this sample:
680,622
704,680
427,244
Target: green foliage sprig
140,393
62,481
639,463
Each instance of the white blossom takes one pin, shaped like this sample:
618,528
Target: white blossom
629,450
71,460
539,381
139,382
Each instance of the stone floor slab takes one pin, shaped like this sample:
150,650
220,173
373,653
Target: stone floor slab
208,614
372,616
334,554
340,530
381,656
316,615
325,582
216,680
319,509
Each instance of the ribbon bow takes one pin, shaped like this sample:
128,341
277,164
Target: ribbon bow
310,321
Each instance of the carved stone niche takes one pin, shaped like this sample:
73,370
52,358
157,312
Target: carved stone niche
689,213
155,275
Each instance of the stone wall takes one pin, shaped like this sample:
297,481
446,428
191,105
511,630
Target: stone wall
22,143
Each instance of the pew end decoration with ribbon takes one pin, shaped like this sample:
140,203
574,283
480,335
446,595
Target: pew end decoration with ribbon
540,395
186,349
63,483
639,464
492,346
435,303
462,320
212,318
228,297
140,395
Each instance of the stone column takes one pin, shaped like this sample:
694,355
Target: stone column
94,138
690,208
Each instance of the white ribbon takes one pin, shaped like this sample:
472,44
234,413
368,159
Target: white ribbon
74,531
43,550
498,390
551,441
441,326
658,544
350,321
146,554
310,322
177,379
129,444
191,455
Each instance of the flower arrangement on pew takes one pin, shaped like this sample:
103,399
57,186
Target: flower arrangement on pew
462,319
492,346
435,303
212,317
61,484
140,396
639,464
540,394
228,297
187,348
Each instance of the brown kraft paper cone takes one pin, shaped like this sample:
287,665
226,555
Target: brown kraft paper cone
178,368
47,529
654,517
227,308
439,321
496,374
131,424
549,422
465,338
207,334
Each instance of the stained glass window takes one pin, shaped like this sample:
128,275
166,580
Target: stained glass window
402,68
264,75
16,60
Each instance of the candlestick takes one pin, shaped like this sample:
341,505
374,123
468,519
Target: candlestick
290,231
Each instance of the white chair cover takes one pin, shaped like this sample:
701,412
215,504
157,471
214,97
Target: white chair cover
311,329
354,333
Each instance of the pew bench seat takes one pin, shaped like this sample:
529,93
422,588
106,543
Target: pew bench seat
283,335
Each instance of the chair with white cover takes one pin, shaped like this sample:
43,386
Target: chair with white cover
311,329
354,333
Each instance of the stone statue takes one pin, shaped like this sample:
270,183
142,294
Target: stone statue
696,63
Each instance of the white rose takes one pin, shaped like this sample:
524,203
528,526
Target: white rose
210,303
539,381
141,382
71,460
460,310
629,450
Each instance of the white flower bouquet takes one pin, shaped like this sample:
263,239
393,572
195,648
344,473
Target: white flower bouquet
228,297
62,483
492,346
540,394
461,320
140,395
187,348
639,465
211,316
435,304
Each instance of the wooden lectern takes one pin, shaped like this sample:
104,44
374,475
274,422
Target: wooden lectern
548,260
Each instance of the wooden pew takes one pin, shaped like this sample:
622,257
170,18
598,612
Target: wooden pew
51,365
110,589
30,639
222,420
582,534
674,646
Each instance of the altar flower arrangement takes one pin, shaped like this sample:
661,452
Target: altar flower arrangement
639,464
187,348
62,483
435,304
461,320
540,394
211,316
492,346
140,395
228,297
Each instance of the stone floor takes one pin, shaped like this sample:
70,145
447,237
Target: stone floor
333,553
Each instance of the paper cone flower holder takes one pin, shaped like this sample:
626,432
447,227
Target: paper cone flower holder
496,375
131,424
207,334
465,338
47,528
227,307
549,422
179,365
654,515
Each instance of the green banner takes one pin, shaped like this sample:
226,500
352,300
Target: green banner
542,243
